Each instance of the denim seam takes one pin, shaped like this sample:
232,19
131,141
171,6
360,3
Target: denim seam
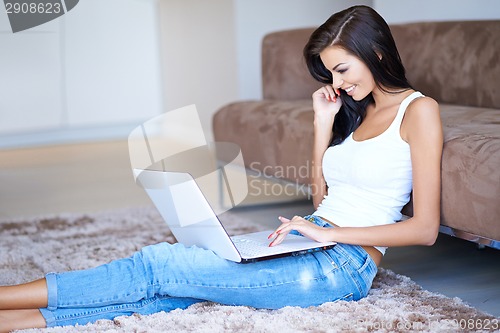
93,311
90,303
321,277
105,309
317,278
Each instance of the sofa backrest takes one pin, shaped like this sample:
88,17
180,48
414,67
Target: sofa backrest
284,71
453,62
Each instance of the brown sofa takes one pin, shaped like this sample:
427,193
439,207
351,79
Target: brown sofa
456,63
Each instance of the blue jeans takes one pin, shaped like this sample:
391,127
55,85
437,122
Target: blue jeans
164,277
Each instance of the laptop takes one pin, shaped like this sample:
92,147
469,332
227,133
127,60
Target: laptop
192,221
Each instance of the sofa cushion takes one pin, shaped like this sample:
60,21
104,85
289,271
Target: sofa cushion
470,176
275,136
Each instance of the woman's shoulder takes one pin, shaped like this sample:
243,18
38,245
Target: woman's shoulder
423,104
422,108
422,115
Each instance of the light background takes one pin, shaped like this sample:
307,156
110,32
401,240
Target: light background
107,65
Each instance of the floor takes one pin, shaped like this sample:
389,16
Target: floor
92,177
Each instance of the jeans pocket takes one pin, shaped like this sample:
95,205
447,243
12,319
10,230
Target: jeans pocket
367,261
367,273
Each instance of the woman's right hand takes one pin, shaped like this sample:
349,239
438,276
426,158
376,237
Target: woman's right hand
326,104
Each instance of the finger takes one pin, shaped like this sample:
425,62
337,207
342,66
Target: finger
283,231
283,219
296,223
330,90
278,240
332,97
275,233
298,218
327,93
286,225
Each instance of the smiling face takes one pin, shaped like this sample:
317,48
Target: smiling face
349,72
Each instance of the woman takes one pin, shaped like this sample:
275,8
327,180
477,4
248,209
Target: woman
386,141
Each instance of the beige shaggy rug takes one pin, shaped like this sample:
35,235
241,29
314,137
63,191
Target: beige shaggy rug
29,248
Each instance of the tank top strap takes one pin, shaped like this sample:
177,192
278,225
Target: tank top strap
404,106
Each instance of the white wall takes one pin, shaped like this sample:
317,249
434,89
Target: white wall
31,72
198,55
397,11
91,74
112,62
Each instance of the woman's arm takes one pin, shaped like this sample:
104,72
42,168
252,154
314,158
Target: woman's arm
325,105
318,183
422,130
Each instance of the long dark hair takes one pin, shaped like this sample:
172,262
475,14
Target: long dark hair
362,32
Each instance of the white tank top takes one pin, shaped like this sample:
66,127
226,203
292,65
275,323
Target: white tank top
368,181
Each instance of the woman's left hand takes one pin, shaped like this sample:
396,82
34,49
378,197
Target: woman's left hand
298,223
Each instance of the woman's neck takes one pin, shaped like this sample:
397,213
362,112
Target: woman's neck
384,99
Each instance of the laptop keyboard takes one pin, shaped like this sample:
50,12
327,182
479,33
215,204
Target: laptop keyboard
254,248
